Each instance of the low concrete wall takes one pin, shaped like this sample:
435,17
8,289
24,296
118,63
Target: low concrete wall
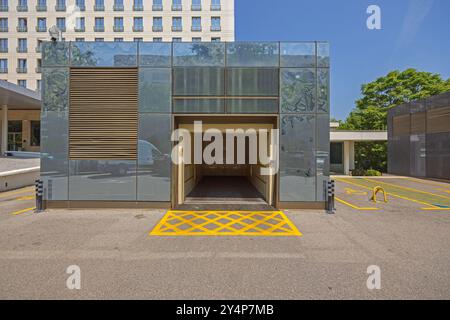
18,178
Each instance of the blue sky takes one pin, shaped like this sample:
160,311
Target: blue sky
415,33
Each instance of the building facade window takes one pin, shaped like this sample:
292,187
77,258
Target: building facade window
3,65
4,5
196,5
157,24
99,39
118,5
196,39
22,5
61,23
157,39
118,24
4,45
99,5
138,24
3,24
35,133
22,25
80,4
118,39
157,5
79,39
138,39
60,5
38,85
196,24
176,39
215,39
215,5
215,24
41,5
38,66
22,83
22,45
138,5
21,66
41,25
99,24
80,24
176,5
177,24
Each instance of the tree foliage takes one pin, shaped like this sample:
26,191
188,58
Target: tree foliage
378,97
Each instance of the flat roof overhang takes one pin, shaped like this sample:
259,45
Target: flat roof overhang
18,98
344,135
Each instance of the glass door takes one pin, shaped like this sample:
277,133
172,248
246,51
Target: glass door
15,135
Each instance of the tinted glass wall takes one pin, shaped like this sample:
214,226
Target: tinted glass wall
286,79
419,138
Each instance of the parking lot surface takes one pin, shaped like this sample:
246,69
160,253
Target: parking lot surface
408,238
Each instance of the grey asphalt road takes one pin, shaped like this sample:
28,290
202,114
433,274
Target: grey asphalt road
118,258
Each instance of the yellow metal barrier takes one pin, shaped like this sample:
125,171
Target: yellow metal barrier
375,191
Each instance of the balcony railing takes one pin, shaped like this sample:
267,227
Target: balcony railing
99,7
216,28
138,7
21,49
4,8
21,70
177,28
157,7
4,29
62,28
99,28
38,69
138,28
41,8
118,7
3,49
22,8
22,28
3,70
157,28
60,7
118,28
177,7
216,7
80,29
196,7
196,28
41,28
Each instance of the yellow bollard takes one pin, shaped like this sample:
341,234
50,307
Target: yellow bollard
375,191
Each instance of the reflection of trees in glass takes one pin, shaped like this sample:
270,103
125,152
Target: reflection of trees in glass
298,90
155,54
323,90
55,54
250,53
211,54
83,57
154,90
55,89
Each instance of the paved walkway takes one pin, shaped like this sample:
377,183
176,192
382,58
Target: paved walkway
15,163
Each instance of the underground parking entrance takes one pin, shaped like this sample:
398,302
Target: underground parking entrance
232,179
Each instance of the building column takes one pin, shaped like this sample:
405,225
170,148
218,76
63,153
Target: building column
351,149
347,157
4,142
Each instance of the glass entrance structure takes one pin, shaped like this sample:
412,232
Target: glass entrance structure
109,109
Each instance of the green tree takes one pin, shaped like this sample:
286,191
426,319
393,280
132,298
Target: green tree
378,97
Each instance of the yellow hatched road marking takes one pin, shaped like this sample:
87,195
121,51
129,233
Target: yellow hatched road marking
354,206
10,193
225,223
406,188
392,194
357,192
434,183
23,211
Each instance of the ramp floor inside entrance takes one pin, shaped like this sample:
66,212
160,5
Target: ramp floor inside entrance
224,193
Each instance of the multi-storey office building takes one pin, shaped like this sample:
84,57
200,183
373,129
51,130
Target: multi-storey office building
24,25
109,110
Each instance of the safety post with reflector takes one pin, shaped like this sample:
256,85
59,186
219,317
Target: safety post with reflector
329,191
39,195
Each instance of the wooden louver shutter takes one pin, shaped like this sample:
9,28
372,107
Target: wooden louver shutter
103,114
